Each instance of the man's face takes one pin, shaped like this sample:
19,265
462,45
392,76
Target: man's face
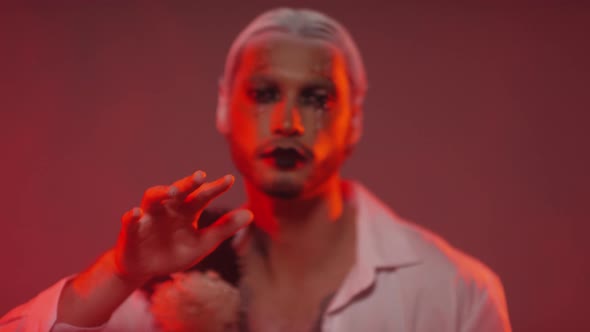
290,114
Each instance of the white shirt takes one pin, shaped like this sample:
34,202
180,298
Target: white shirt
405,279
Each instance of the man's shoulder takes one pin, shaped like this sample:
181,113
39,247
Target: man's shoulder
436,259
440,278
430,253
438,255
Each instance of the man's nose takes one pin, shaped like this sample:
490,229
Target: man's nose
286,120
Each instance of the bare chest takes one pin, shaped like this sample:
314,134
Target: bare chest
299,309
294,305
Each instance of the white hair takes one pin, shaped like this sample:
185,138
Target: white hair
305,23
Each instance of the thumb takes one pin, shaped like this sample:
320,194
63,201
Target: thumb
225,227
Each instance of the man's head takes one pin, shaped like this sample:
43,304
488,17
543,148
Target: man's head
290,101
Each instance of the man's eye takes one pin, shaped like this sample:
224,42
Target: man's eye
264,95
318,100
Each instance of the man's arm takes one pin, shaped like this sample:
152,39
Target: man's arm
157,239
160,238
90,298
39,314
85,302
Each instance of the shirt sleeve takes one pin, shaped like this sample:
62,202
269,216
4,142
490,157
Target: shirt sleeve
490,311
39,315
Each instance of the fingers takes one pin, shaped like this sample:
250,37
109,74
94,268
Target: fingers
223,228
132,221
183,187
155,197
132,216
198,199
187,196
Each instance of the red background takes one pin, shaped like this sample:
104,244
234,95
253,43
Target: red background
476,127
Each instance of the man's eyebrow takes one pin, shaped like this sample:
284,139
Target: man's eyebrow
260,78
321,83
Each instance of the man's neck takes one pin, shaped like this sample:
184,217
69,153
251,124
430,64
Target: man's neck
302,236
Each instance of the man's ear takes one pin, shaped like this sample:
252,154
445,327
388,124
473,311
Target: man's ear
222,110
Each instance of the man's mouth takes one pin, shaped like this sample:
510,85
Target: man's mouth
285,157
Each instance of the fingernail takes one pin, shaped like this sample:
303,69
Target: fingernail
199,176
244,217
228,178
136,212
145,219
178,276
212,274
172,191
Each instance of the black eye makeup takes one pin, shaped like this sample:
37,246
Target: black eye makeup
317,97
313,96
264,93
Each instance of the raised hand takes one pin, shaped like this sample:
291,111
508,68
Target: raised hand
162,236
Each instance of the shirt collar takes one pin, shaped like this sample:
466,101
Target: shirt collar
381,235
382,243
381,240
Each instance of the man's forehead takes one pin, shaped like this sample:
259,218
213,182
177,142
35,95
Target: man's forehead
272,50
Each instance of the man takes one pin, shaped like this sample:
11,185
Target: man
323,253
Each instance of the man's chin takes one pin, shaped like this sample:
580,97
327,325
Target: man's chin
283,190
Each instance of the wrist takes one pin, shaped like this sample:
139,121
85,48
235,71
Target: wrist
90,299
113,265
